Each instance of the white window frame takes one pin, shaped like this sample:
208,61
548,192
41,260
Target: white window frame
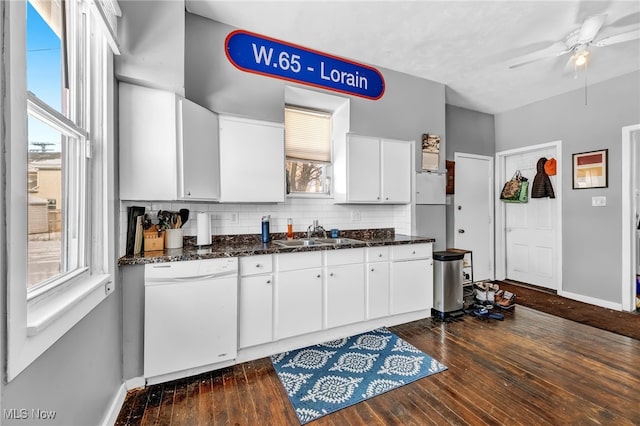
35,323
326,166
339,107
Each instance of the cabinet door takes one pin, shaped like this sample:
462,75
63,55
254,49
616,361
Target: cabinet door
256,310
148,150
377,289
345,295
198,161
396,171
411,285
363,169
252,167
299,302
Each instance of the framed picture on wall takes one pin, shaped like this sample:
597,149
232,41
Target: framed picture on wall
591,169
430,152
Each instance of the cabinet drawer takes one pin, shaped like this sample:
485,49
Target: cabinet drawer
252,265
344,256
377,254
293,261
411,251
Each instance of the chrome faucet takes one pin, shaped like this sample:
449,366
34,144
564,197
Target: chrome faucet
316,229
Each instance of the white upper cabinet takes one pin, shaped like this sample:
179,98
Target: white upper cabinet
168,147
396,169
363,169
373,170
252,165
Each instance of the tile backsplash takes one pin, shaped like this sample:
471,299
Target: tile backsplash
245,218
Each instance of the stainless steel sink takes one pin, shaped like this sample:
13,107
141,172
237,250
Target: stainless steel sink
339,241
315,242
300,243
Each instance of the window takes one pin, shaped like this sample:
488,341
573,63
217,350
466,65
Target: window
59,216
308,150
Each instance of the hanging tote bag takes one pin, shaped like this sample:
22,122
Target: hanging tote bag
524,190
511,189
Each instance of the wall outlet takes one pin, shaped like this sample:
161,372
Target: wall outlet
355,216
108,288
234,217
598,201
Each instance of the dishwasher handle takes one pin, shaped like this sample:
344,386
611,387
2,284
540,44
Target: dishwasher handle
161,280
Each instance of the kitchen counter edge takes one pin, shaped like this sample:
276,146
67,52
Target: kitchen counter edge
239,250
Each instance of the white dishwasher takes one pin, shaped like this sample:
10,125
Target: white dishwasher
191,314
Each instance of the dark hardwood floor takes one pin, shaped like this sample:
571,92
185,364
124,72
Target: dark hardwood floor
531,368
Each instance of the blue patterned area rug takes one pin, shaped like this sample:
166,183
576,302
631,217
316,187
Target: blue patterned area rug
324,378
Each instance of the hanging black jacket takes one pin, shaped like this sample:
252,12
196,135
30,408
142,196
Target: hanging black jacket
541,183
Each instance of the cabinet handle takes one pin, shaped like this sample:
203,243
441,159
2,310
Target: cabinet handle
380,255
386,198
268,281
371,269
331,274
318,276
189,193
414,252
258,265
377,198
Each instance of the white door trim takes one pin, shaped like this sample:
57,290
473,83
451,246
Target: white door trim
628,219
501,178
456,155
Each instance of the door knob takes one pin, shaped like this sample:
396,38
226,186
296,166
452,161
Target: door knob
460,231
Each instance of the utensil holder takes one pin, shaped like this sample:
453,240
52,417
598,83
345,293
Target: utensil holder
173,238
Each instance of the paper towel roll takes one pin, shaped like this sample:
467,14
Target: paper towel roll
204,229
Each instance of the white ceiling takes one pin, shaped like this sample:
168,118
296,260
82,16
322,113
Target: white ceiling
467,46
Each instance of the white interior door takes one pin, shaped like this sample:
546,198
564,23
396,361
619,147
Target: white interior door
473,211
530,228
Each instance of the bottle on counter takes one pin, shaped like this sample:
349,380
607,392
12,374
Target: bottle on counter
289,229
265,229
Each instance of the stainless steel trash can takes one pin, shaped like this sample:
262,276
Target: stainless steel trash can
447,284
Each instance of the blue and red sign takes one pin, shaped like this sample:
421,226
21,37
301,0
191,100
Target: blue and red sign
274,58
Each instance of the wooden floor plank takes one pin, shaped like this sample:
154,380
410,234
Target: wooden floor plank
531,368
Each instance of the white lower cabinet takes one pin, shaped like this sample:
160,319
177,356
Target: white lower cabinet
345,287
377,282
298,294
256,301
411,278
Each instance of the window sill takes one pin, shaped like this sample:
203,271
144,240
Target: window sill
75,302
312,196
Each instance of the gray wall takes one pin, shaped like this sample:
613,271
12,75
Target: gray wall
591,235
410,106
469,132
78,376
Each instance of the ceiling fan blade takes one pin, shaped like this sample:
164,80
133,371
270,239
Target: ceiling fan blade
590,28
524,61
628,36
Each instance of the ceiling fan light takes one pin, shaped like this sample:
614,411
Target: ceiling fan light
581,58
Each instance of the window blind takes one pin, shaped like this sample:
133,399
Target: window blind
307,135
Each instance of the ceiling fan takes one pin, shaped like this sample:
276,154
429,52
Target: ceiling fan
577,43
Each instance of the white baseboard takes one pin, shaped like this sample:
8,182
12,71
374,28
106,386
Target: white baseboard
135,383
591,300
111,415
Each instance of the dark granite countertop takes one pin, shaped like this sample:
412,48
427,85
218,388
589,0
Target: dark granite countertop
250,244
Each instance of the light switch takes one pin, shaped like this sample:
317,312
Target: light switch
598,201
